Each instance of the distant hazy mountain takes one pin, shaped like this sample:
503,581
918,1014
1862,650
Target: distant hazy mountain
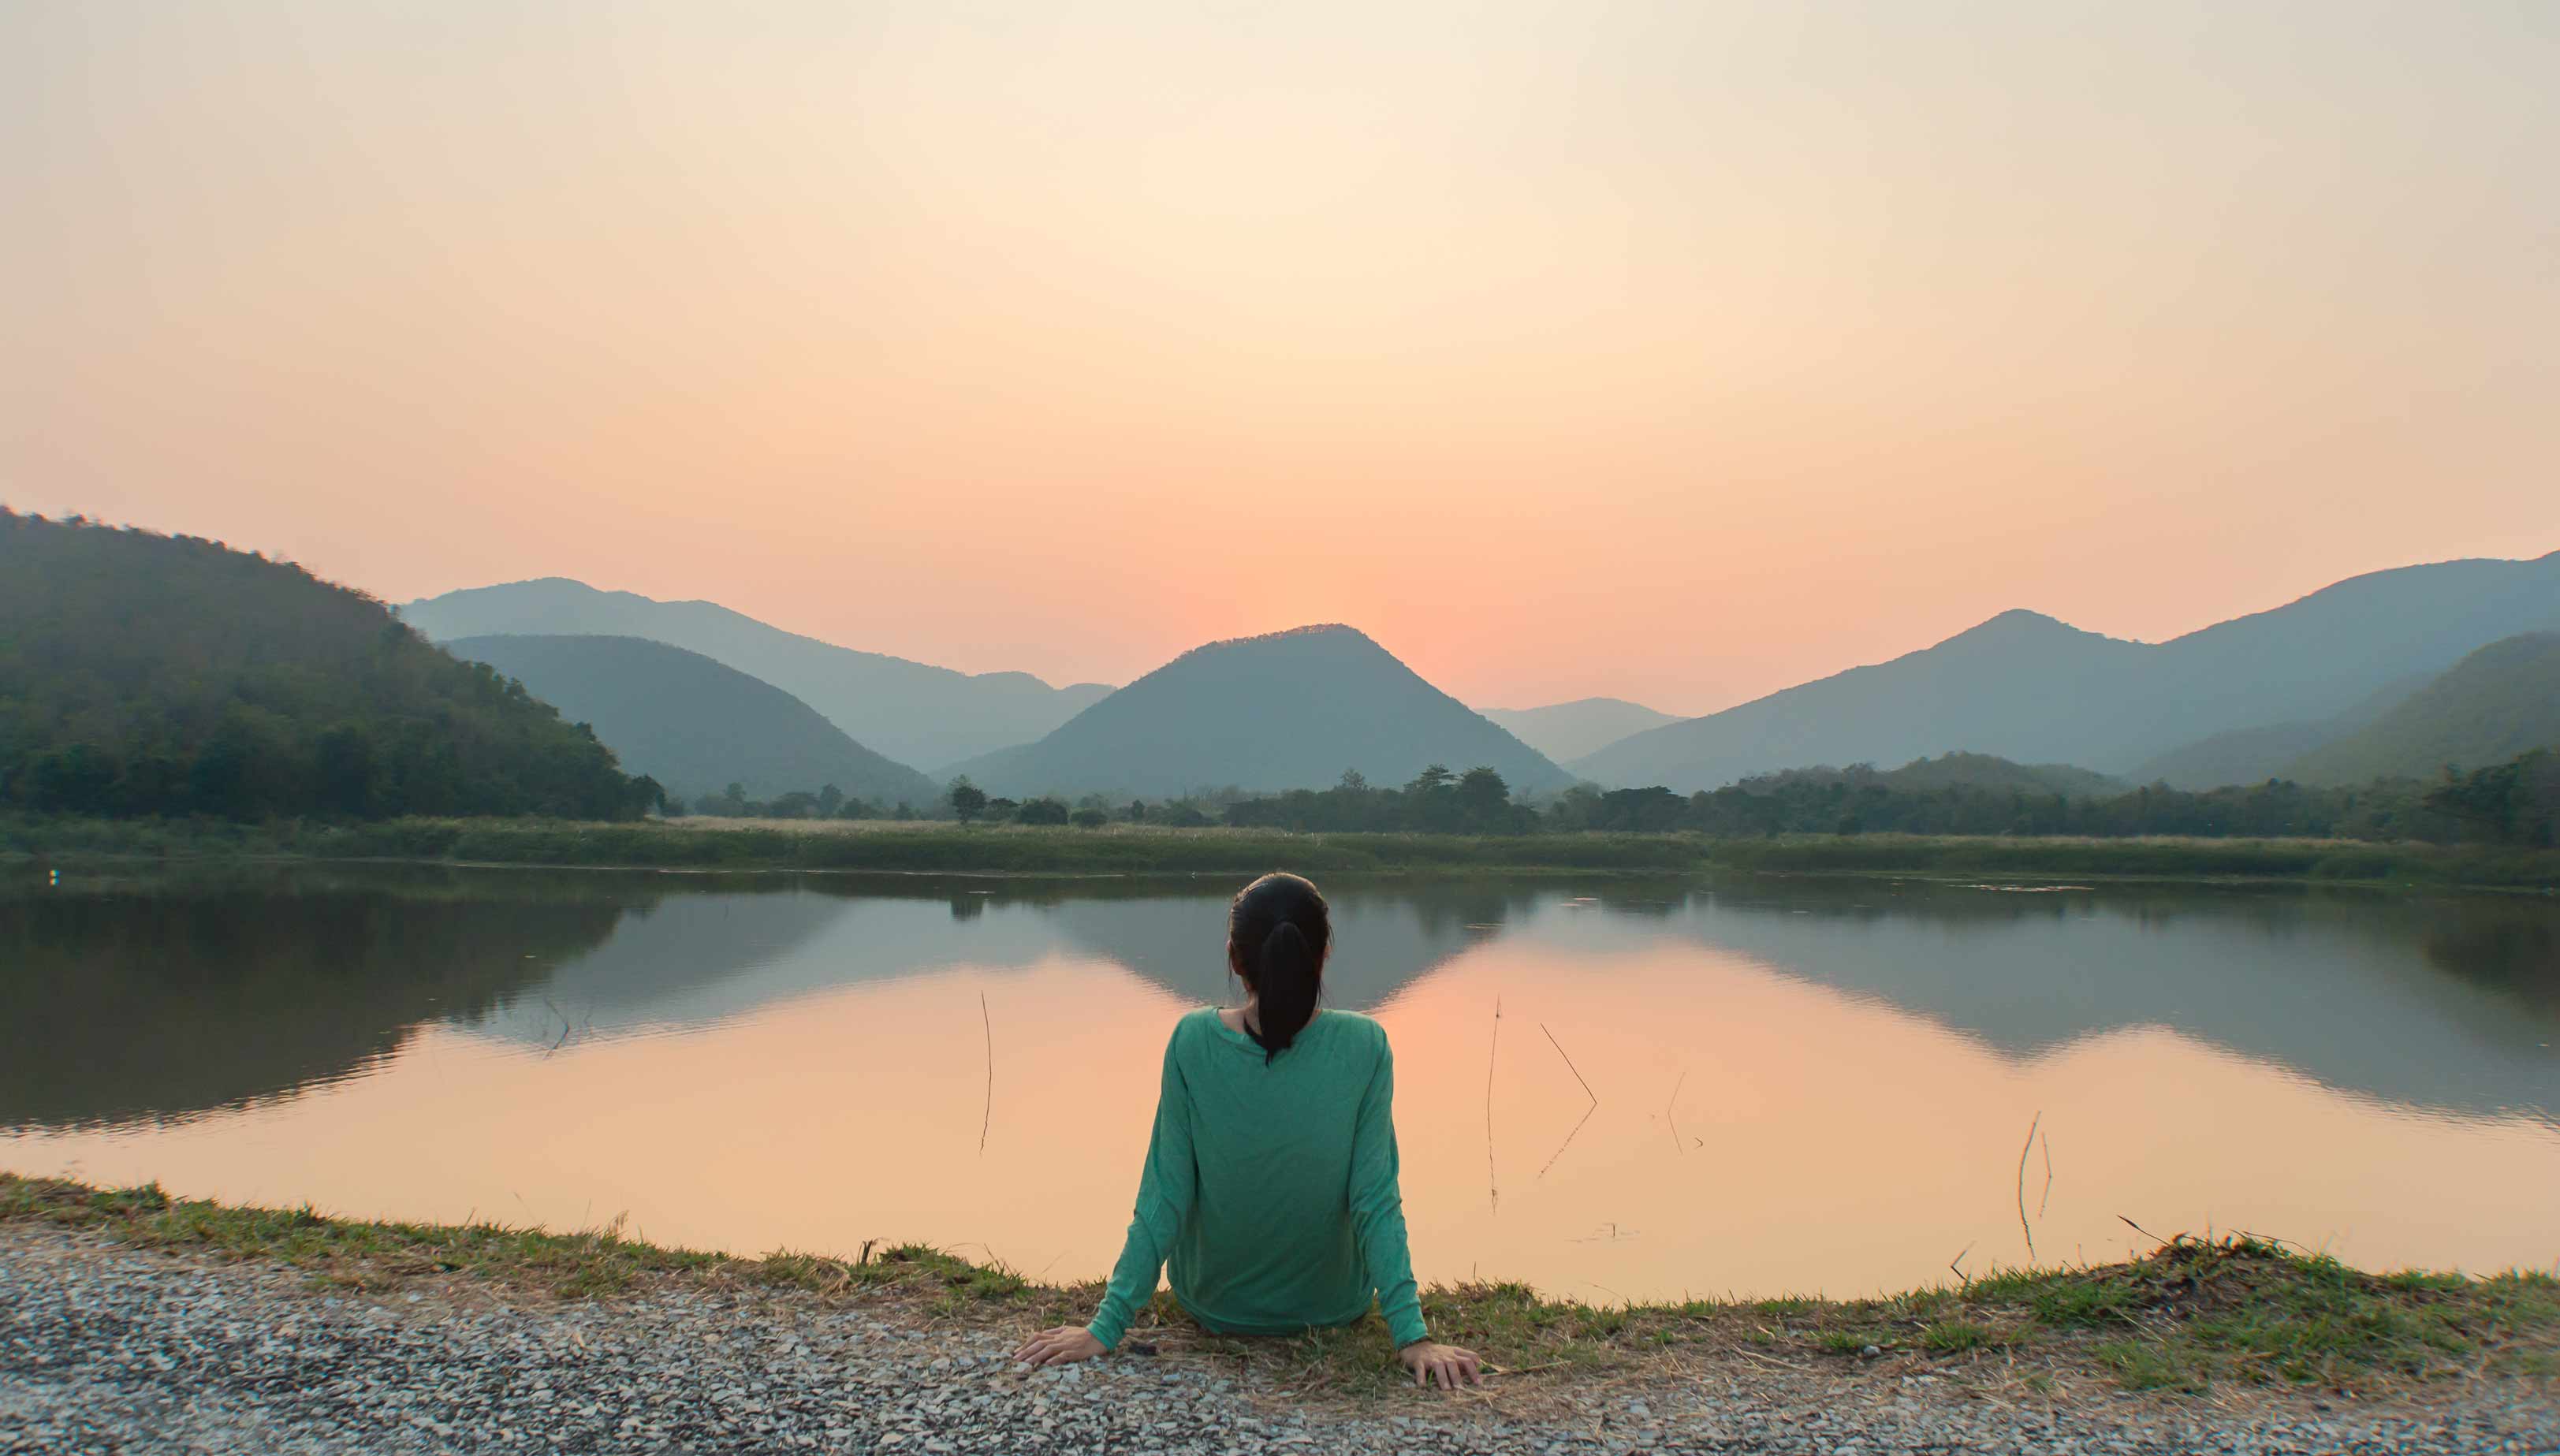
693,724
2031,688
912,711
1292,709
2492,705
1565,731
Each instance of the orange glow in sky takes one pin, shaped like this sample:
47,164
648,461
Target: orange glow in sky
1674,351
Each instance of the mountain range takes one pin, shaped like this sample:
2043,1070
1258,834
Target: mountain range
693,724
910,712
1291,709
2028,687
2279,693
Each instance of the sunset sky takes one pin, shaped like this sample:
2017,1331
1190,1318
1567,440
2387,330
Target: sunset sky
1674,351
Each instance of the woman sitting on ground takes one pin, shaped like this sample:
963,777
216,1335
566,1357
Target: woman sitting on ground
1270,1181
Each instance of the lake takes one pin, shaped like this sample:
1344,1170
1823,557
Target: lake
1756,1087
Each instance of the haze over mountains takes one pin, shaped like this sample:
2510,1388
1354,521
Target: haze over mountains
1567,731
1292,709
695,725
2034,689
912,711
2261,696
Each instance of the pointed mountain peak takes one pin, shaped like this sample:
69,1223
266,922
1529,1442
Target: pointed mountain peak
2016,624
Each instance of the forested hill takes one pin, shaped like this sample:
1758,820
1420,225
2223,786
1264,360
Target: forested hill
1278,712
144,674
2497,703
695,725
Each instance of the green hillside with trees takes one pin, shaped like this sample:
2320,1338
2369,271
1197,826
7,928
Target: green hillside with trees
2496,704
143,673
694,724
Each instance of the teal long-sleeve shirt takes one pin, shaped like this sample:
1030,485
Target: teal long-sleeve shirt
1271,1189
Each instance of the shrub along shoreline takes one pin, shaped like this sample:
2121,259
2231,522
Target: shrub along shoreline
935,848
2191,1314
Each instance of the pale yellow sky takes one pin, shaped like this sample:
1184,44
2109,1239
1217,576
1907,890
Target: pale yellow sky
1674,351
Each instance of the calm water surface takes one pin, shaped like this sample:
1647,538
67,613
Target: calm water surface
1793,1085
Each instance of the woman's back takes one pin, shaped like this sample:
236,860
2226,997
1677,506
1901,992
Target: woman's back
1273,1244
1269,1191
1269,1195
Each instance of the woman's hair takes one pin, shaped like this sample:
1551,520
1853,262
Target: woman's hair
1276,933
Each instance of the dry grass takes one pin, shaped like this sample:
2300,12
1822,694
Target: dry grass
2192,1316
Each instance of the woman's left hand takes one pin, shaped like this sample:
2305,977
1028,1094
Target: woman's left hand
1065,1345
1429,1359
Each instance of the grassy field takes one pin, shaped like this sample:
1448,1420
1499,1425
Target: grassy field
2190,1316
941,847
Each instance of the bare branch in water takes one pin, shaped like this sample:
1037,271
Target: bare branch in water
1671,1111
1493,1185
989,1120
1569,1066
2047,1201
2023,1225
1568,1138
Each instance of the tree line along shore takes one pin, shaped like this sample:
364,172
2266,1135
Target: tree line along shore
1134,849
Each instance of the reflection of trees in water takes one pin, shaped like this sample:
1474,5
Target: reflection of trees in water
180,994
2351,988
2511,949
164,1001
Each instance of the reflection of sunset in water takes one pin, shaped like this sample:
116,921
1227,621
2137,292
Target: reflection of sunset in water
1826,1137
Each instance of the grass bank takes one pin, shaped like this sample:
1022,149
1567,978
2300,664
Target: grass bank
2191,1315
1140,849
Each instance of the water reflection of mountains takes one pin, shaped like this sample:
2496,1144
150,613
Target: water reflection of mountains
169,1000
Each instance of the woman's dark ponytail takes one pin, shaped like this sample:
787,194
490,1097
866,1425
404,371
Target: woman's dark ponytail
1278,930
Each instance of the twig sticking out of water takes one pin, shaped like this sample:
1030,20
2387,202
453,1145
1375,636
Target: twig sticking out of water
1570,1137
1586,1091
2023,1224
1493,1185
1671,1111
2047,1201
1569,1066
989,1120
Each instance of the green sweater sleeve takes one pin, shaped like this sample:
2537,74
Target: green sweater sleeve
1377,1207
1164,1193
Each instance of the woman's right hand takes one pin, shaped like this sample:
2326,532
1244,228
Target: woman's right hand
1430,1358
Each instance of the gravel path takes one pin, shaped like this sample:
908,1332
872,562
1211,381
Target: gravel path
105,1349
